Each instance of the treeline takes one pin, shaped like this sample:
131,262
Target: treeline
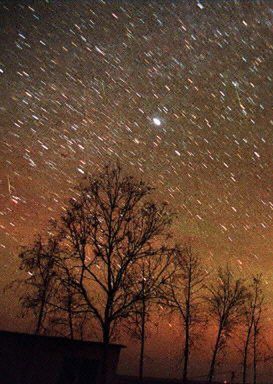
110,260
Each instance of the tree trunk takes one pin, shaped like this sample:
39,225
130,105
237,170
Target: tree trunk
246,354
41,315
255,356
142,341
214,355
187,330
186,351
106,342
43,301
70,319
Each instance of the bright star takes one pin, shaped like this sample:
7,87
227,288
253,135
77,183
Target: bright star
156,121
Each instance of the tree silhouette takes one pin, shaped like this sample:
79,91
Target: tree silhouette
109,230
251,320
258,307
67,313
156,274
225,300
39,261
183,296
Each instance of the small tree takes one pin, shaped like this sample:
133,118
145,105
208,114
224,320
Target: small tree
184,296
257,320
155,275
39,261
67,312
225,300
251,320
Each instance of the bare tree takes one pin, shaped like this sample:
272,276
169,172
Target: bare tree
54,303
109,229
38,261
136,326
184,296
67,312
156,273
251,319
226,300
257,317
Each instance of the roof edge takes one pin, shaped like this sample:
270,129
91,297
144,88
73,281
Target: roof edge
60,338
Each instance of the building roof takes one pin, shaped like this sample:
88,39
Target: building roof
62,341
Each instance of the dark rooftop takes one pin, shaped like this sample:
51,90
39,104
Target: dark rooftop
53,339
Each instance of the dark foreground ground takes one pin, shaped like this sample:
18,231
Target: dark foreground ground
121,379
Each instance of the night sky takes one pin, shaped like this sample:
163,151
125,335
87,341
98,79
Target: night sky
179,92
